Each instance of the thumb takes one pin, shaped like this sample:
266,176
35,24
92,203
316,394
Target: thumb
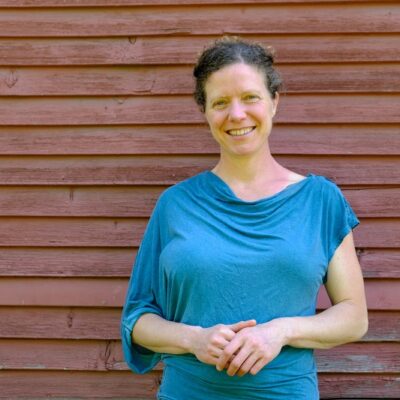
243,324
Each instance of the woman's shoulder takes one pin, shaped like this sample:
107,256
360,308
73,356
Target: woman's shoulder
321,184
328,189
327,182
319,181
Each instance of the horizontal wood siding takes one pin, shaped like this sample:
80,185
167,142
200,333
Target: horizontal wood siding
96,120
176,79
148,50
157,3
200,20
125,385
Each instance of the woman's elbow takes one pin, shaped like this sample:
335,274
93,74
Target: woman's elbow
364,327
357,331
360,329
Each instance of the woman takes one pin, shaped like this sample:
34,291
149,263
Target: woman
225,282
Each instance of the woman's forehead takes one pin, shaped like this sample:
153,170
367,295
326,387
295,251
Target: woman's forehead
235,78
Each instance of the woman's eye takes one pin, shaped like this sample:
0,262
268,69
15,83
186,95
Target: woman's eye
219,103
251,97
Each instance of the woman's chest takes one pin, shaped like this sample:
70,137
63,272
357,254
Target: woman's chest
210,246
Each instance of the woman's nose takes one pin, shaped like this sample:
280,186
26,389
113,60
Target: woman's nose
237,111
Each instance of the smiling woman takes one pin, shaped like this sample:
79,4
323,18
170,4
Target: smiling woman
225,283
239,110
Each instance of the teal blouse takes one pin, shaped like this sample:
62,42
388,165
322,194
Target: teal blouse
208,257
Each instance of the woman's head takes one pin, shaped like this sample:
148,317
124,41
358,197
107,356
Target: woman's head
232,50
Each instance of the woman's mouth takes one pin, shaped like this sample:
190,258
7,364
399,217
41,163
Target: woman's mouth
240,132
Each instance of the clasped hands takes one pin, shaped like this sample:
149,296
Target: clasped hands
240,348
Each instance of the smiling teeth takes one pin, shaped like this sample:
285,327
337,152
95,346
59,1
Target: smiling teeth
240,132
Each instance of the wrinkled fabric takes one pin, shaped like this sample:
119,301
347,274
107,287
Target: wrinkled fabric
208,257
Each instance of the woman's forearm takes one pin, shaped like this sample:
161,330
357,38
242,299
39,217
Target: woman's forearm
157,334
339,324
162,336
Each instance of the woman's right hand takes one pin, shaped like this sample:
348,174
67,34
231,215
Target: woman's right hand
210,342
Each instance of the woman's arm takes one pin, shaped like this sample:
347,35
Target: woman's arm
162,336
345,321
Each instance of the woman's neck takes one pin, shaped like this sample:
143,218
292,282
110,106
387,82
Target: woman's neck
249,170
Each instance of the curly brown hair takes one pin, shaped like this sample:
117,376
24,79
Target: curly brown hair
231,50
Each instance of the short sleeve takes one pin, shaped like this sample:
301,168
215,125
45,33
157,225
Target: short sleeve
340,219
143,296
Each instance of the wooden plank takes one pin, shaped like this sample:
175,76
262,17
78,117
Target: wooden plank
295,139
356,386
72,323
360,357
100,355
202,20
119,202
382,294
140,387
68,292
119,170
139,80
296,48
83,201
379,263
115,140
71,232
373,202
104,323
334,139
117,262
121,385
67,355
369,77
168,170
383,326
109,3
335,108
294,111
69,262
125,385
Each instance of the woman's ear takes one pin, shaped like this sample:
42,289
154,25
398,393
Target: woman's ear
275,102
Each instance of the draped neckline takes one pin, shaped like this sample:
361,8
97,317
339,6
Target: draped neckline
221,190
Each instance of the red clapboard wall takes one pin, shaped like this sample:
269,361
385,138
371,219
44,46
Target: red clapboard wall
97,119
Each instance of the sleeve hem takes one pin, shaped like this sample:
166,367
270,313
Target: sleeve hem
139,359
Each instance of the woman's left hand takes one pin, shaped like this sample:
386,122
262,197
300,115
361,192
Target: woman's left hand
252,348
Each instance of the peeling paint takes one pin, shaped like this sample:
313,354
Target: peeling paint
12,78
120,100
36,366
70,319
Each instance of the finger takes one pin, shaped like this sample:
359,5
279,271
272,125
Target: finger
220,341
256,368
210,359
238,361
230,360
225,332
248,364
232,348
216,352
243,324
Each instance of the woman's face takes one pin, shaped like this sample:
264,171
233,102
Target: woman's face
239,109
